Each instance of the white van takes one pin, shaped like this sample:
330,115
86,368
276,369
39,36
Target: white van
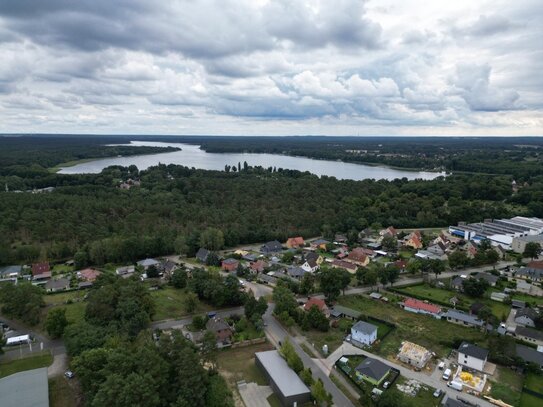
441,365
455,385
447,374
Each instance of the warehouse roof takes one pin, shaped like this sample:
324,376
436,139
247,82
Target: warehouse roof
25,389
284,377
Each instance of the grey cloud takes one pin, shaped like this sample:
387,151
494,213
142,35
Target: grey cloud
490,25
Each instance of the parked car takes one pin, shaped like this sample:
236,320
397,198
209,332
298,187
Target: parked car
446,374
437,393
386,385
441,365
69,374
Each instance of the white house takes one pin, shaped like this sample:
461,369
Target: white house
364,333
472,356
526,317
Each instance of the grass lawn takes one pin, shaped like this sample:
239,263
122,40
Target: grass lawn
170,303
333,338
424,330
530,299
506,386
61,393
273,400
534,382
425,396
28,363
62,297
62,268
239,364
527,400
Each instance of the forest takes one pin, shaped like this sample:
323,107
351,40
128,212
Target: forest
89,216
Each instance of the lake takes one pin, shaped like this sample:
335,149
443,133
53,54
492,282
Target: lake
192,156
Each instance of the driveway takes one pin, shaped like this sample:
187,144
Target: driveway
59,365
254,395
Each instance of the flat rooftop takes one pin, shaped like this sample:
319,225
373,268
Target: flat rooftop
25,389
283,376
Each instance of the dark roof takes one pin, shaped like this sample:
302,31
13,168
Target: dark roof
40,268
527,312
453,403
287,381
60,283
491,279
169,266
311,256
340,310
476,307
216,324
530,272
462,316
473,350
457,281
273,246
364,327
373,368
319,242
530,355
10,270
529,332
202,254
518,303
295,271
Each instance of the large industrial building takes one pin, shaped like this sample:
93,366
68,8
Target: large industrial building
285,383
500,232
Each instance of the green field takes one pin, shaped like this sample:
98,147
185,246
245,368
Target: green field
239,364
534,382
63,297
424,330
506,386
527,400
28,363
170,303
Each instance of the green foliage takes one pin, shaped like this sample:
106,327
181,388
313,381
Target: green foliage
307,376
179,278
319,393
212,239
199,322
22,301
218,393
56,322
314,318
475,288
284,300
332,281
191,302
308,284
215,290
532,250
458,259
254,309
293,360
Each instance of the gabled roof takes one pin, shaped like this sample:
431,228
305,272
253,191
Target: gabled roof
491,279
88,274
311,256
364,327
318,242
10,270
373,368
529,355
317,302
462,316
473,350
295,241
527,312
529,332
343,264
40,268
341,310
417,304
202,254
295,271
56,284
358,254
258,265
273,246
216,324
536,264
230,261
148,262
530,272
169,266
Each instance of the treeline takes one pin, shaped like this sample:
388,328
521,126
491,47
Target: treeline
176,206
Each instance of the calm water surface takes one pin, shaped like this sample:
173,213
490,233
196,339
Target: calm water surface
192,156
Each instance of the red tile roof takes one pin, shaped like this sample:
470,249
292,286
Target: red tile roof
417,304
343,264
320,304
40,268
89,274
295,241
536,264
358,254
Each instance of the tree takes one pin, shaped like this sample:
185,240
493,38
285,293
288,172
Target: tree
393,398
218,394
475,288
293,360
344,279
288,257
209,349
22,301
458,259
485,245
191,302
180,244
319,393
393,273
198,322
213,259
56,322
492,256
532,250
152,272
179,278
307,376
284,301
369,277
331,283
308,283
438,267
390,243
212,239
316,319
81,259
414,266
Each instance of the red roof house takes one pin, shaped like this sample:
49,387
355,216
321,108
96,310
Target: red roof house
359,257
229,264
414,240
320,304
294,242
258,266
88,274
41,271
421,307
535,264
341,264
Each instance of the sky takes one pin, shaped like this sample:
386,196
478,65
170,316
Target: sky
272,67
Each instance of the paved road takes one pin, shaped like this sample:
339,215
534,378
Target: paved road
276,334
434,380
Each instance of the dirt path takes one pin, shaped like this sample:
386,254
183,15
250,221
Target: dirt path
59,365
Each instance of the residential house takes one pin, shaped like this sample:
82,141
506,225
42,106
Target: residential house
125,271
11,272
271,247
530,355
350,267
425,254
147,263
535,264
310,265
475,308
461,318
241,252
400,265
295,272
341,252
339,311
529,335
250,257
390,231
518,304
202,254
169,267
62,284
221,329
414,240
89,275
373,371
530,273
376,296
526,317
229,264
414,355
41,271
295,242
319,244
421,307
457,283
443,240
320,304
471,249
472,356
364,333
489,278
438,249
258,266
359,257
314,257
340,239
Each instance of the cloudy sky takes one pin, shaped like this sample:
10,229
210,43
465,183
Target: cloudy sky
342,67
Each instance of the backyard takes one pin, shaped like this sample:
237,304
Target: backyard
62,392
436,335
239,364
506,385
170,303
